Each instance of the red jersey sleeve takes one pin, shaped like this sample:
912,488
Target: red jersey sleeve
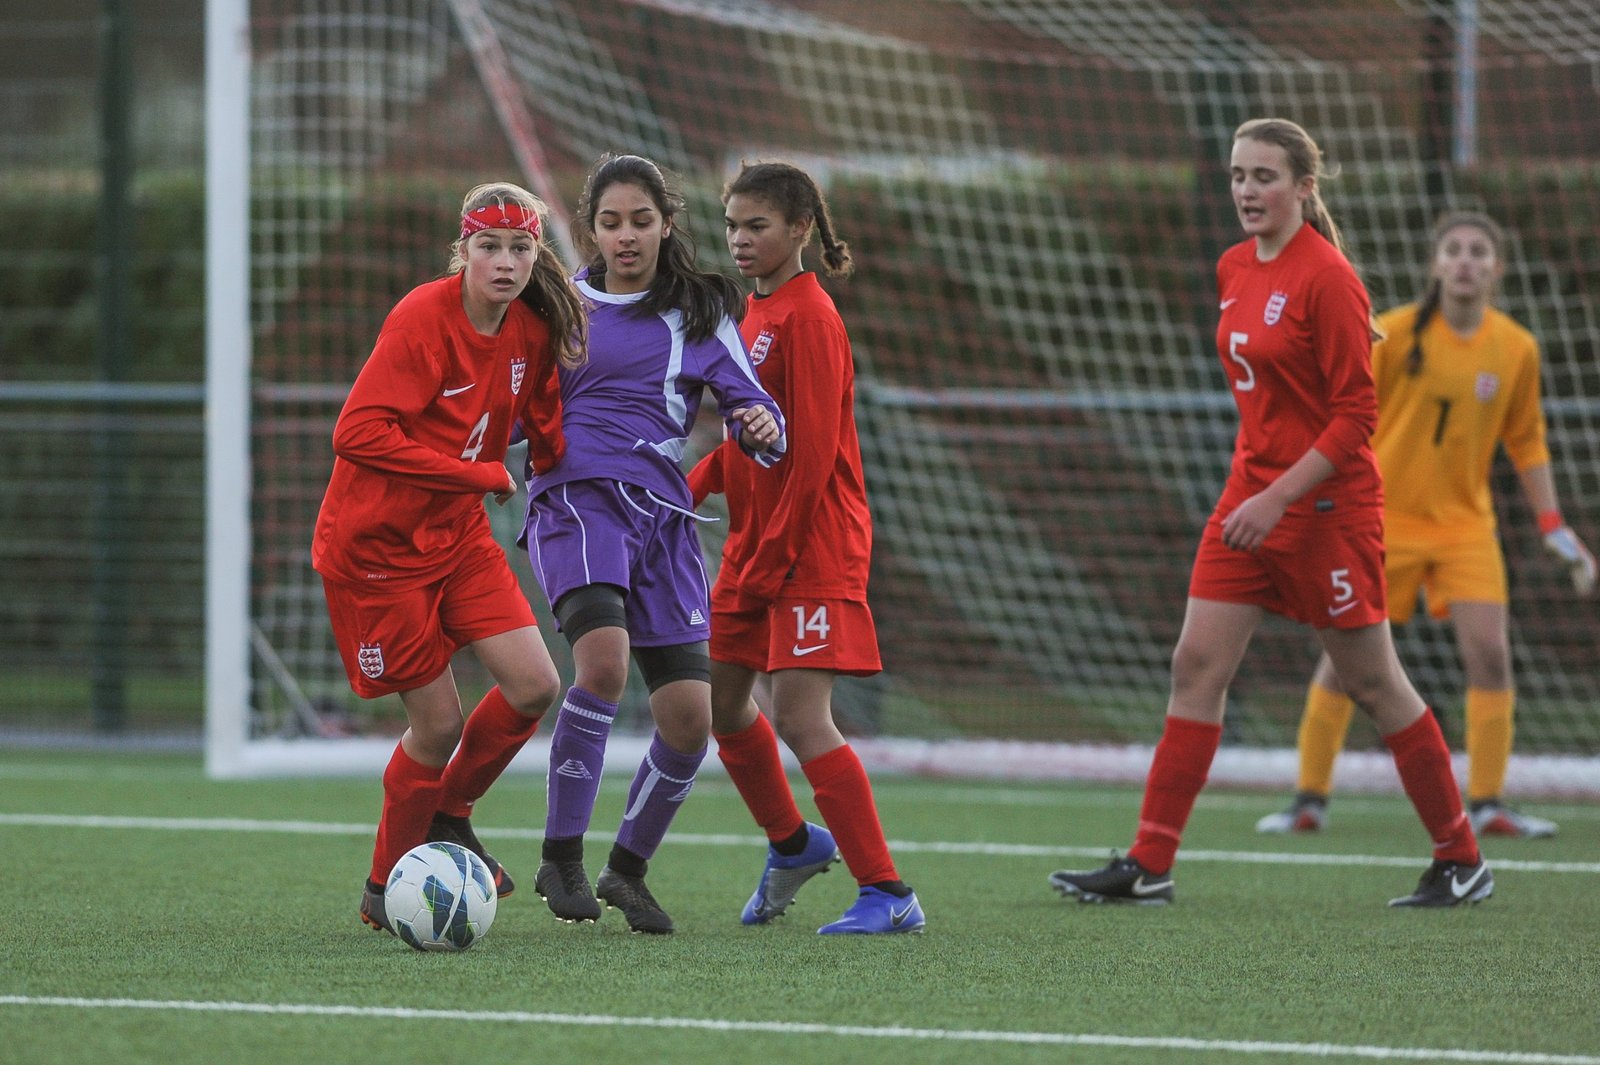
400,379
1341,320
708,476
814,388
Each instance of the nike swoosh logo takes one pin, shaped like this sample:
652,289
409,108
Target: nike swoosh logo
1333,613
898,917
1460,890
1229,303
458,391
801,652
1141,888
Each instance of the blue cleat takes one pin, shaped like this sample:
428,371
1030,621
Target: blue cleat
877,912
784,875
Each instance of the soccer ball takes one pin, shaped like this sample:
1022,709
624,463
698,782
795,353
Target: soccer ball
440,896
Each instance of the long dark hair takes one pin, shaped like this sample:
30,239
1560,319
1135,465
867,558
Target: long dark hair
796,196
1433,292
549,293
703,297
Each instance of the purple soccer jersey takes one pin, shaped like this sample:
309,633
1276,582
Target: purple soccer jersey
617,509
627,412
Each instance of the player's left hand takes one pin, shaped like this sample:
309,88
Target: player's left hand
1248,526
506,494
1565,545
758,429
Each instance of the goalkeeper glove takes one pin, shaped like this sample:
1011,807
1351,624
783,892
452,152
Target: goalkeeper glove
1565,545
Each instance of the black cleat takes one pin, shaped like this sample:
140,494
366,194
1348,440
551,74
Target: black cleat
1450,884
373,912
1123,880
629,894
564,886
449,829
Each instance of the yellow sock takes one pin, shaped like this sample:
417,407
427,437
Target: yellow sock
1322,731
1488,741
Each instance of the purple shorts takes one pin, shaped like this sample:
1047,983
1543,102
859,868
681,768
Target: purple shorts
610,532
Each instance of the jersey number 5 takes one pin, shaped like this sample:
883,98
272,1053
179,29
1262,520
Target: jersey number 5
1235,342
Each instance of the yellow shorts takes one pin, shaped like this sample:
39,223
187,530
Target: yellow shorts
1471,571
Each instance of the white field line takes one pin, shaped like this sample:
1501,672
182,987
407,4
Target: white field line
1097,794
957,848
1062,796
599,1020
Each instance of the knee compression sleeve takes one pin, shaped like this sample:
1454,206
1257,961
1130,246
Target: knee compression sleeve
594,606
663,665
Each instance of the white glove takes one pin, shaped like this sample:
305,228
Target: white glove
1565,545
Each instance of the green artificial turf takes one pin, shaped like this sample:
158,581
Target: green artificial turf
187,937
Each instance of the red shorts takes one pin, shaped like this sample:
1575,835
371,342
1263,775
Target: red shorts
833,634
1310,570
397,641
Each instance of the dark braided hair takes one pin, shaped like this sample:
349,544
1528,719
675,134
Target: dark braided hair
704,298
796,196
1433,292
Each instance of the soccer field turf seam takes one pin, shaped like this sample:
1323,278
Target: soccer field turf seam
959,848
711,1024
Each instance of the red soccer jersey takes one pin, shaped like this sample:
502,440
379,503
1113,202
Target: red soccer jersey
423,436
1295,344
800,528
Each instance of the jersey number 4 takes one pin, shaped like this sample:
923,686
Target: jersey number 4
475,440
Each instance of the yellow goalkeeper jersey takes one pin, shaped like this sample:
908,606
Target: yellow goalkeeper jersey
1437,431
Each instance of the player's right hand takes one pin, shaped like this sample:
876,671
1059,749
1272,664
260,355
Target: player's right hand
1580,563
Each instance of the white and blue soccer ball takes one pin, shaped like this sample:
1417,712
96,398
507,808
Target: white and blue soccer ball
440,896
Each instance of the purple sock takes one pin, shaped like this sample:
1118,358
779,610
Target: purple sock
577,757
659,788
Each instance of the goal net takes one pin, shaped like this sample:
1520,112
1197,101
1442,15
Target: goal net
1036,197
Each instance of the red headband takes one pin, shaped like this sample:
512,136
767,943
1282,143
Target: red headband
499,216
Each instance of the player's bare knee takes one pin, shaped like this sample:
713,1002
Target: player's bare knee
1372,689
434,741
607,678
1198,679
535,694
1487,664
804,732
730,715
685,726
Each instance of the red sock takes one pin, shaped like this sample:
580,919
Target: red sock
1423,759
752,761
410,797
493,735
844,798
1177,773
